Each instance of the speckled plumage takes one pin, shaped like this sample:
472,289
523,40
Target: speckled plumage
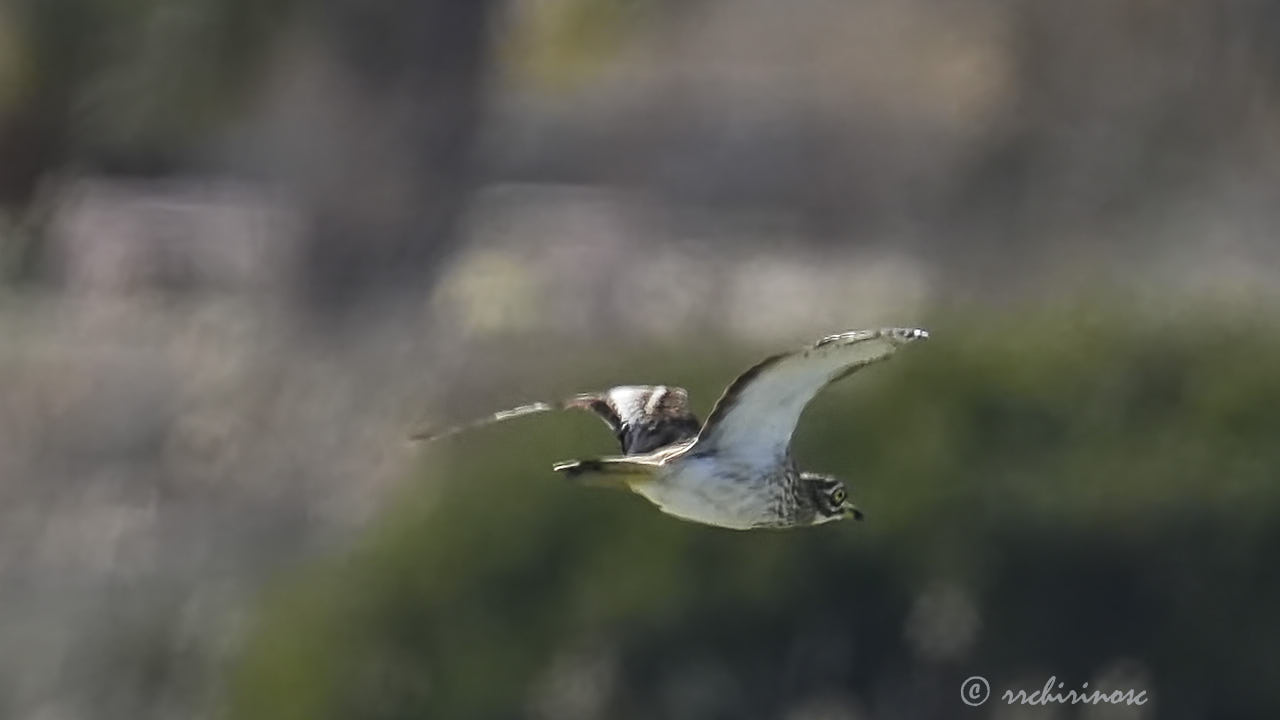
736,470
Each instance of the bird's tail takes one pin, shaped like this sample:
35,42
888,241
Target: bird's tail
606,471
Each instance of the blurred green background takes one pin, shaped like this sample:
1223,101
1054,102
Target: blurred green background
246,246
1072,493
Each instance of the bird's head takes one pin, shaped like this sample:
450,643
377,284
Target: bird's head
830,499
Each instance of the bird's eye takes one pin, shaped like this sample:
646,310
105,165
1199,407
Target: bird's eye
837,497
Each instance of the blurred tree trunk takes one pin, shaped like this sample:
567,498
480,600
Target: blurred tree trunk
35,123
384,215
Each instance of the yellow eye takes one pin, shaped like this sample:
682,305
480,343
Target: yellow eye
837,497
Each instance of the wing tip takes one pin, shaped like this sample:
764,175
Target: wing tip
899,335
432,433
429,434
569,467
906,335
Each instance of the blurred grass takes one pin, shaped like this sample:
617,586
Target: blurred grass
1101,487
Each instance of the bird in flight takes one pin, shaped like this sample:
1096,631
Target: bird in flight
736,469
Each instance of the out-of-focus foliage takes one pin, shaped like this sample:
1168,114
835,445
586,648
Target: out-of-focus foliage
1076,494
123,84
1090,498
552,44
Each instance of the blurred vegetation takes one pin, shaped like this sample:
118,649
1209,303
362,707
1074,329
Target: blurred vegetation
127,85
1010,126
557,44
155,87
1089,489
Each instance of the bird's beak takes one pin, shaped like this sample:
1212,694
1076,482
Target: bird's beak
852,511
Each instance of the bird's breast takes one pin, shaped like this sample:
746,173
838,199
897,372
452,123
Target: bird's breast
715,493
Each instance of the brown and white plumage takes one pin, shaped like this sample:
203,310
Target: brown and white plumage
642,417
735,471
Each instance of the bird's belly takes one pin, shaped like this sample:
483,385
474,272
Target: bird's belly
696,492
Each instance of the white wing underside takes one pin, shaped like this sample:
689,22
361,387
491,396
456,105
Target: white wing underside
753,421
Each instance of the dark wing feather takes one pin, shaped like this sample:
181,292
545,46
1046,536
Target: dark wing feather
755,417
642,417
646,417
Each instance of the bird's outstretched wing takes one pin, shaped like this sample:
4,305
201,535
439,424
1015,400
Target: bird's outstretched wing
642,417
754,419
